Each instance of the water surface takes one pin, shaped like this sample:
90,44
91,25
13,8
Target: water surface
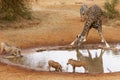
110,61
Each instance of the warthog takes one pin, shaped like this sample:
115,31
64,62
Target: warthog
55,65
12,50
76,63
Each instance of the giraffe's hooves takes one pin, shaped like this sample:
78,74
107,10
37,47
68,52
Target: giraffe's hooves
102,40
72,43
108,46
84,40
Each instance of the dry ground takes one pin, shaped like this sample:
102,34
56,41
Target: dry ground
56,22
55,25
14,73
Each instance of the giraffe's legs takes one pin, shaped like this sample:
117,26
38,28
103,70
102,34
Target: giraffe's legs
103,40
98,24
81,37
73,42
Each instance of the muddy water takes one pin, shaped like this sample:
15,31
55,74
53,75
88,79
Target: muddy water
110,61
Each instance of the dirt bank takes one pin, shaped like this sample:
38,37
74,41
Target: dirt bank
15,73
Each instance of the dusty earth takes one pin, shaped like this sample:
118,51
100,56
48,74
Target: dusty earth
55,22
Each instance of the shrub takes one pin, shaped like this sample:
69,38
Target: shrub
12,9
110,11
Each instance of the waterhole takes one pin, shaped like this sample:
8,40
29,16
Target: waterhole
109,61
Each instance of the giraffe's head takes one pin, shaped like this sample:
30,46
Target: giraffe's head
80,40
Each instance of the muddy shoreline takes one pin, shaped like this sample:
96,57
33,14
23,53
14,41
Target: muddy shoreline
83,46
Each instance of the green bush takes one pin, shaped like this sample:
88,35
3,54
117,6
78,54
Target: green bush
13,9
110,11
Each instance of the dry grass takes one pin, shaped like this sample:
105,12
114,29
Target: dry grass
55,28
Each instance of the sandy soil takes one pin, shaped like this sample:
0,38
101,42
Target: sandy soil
8,72
56,23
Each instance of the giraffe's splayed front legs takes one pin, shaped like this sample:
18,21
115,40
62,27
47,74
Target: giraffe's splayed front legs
107,45
73,43
103,40
81,39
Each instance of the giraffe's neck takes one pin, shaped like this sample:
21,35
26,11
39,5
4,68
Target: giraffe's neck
86,29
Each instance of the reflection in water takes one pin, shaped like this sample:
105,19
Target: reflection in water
98,62
95,65
115,52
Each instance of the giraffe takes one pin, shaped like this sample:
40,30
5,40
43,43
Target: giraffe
93,20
